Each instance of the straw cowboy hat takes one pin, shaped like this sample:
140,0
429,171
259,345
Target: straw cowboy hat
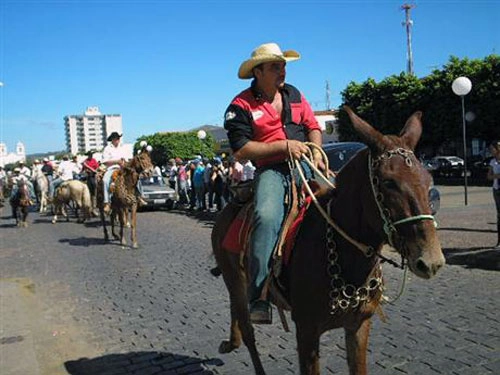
267,52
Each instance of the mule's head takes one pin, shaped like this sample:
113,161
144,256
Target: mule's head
142,161
401,190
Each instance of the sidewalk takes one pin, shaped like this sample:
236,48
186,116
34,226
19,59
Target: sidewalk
17,352
468,233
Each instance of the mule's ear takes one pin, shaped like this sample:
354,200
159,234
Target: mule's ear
371,136
412,131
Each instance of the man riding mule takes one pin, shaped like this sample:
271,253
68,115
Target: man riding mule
125,198
268,123
114,157
21,197
331,275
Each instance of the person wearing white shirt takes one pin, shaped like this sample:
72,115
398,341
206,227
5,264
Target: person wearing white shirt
24,170
113,157
15,179
65,171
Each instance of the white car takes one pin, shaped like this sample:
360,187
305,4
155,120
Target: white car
455,161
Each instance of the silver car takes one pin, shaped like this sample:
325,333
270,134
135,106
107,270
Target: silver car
157,193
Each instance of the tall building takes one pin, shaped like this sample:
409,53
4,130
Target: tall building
89,131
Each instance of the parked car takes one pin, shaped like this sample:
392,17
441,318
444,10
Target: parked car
157,193
341,152
480,168
448,166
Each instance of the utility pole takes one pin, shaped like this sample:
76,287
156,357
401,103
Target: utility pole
408,24
327,96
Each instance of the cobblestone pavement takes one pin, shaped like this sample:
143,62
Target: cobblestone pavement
103,309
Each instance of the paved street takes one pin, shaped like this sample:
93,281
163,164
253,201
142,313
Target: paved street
71,304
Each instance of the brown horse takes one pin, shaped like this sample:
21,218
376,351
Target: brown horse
124,198
20,203
334,278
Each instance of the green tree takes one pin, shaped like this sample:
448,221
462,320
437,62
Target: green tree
185,145
386,105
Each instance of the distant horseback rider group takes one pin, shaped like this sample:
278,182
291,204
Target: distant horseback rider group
113,158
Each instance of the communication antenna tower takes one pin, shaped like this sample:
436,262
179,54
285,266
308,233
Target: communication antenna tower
408,23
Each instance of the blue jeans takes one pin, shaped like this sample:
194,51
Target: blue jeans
107,181
271,187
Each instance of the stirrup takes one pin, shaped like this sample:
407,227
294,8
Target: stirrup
261,312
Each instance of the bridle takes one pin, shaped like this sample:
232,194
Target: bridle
390,226
342,294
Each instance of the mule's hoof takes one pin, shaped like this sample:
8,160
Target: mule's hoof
227,347
53,221
25,224
135,246
216,271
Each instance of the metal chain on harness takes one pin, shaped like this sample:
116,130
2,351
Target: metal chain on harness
344,296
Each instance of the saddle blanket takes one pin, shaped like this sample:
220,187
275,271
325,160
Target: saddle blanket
237,237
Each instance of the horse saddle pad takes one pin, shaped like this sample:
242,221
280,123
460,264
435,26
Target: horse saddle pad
237,237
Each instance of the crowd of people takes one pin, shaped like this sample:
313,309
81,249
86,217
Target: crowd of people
204,184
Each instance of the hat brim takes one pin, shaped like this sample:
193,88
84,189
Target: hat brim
110,138
245,71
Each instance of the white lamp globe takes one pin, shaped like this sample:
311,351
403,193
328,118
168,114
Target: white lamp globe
149,148
143,143
202,134
461,86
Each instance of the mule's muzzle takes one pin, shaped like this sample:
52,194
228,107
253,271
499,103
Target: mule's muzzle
427,270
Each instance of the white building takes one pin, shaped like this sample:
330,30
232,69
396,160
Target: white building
89,131
328,122
13,157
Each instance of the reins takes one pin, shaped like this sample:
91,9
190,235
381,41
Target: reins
365,249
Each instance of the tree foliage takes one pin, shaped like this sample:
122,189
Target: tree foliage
185,145
387,104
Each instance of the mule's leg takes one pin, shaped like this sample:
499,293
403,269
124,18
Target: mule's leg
25,211
308,348
356,343
241,327
133,226
122,216
112,218
103,222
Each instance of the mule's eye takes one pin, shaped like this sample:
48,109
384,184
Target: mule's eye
390,184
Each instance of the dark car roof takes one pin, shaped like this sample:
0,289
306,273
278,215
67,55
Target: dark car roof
340,153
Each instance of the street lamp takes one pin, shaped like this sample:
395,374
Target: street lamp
461,86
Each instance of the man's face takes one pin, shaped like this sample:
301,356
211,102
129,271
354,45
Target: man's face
115,141
272,74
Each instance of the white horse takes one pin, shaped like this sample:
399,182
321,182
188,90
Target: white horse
41,189
75,191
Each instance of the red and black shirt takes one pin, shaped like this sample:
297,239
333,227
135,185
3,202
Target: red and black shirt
251,118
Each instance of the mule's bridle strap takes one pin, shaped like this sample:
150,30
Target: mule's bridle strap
390,226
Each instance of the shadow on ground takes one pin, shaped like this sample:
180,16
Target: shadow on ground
142,363
484,258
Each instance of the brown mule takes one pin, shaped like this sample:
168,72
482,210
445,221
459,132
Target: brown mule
124,198
334,278
20,204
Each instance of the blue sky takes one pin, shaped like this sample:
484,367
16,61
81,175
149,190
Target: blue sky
171,65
